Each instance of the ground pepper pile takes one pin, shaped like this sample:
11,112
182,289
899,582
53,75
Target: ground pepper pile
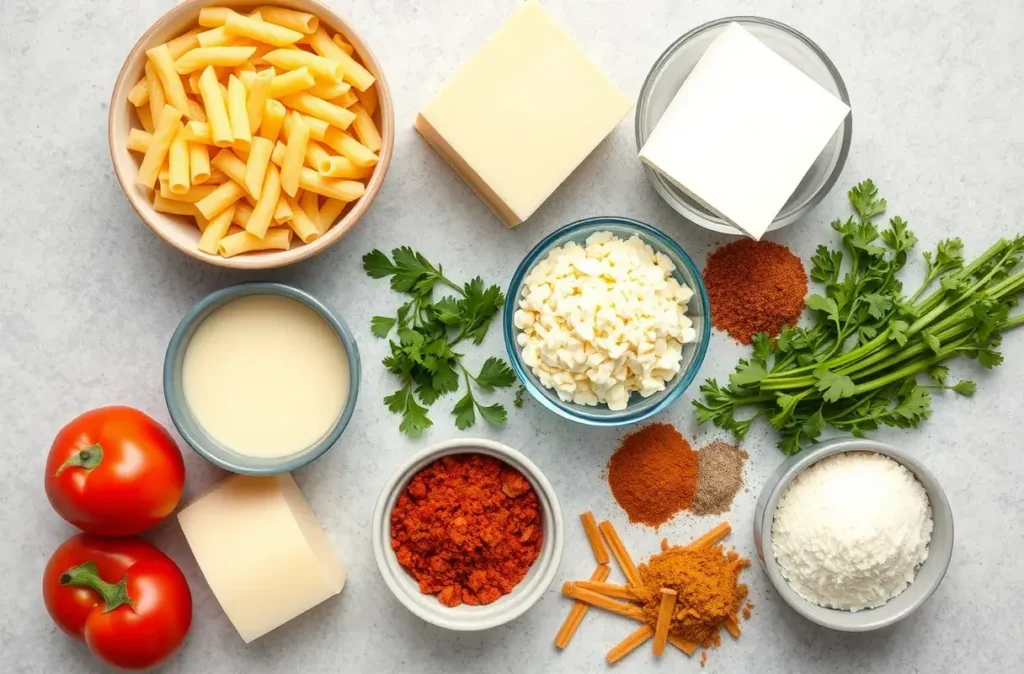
653,474
754,286
719,477
707,587
467,528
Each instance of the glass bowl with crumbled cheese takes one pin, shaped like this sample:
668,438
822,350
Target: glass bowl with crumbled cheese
854,534
607,321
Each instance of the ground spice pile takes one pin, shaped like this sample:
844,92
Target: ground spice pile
467,528
707,585
719,477
653,474
754,286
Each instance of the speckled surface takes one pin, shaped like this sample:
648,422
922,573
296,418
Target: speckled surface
90,298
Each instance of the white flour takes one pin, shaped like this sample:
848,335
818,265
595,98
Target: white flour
851,530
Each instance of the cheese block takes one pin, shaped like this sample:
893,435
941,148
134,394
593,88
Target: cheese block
263,553
743,130
522,114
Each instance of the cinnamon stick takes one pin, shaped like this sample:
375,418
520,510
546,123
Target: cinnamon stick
621,555
716,534
682,644
594,536
608,589
668,604
601,601
629,644
732,626
578,610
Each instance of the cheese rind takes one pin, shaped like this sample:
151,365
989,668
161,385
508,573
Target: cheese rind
262,552
522,114
743,130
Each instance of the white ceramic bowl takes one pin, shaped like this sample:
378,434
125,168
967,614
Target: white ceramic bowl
180,231
469,618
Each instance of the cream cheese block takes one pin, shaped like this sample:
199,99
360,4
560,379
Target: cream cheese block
262,551
522,114
743,130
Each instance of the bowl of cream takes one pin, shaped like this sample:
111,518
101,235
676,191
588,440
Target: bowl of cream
855,535
261,378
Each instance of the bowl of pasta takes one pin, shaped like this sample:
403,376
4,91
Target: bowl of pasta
251,135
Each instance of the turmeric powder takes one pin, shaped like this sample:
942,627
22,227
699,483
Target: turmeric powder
707,587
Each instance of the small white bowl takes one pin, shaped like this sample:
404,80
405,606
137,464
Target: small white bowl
469,618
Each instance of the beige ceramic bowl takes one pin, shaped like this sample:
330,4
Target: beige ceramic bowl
181,232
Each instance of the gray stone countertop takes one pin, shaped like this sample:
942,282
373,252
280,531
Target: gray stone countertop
90,298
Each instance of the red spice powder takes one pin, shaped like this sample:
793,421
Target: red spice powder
653,474
467,528
754,286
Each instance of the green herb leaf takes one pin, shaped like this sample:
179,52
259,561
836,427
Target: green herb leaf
748,373
833,386
898,332
518,402
965,388
826,305
377,265
415,420
864,198
878,305
938,373
495,414
762,344
495,373
932,341
380,326
448,311
465,411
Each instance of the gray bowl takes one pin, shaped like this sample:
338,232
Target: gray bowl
929,575
196,436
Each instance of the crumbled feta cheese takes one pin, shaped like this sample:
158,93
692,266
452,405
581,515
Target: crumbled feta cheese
602,320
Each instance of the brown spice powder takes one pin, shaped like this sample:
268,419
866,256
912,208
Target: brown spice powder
719,477
707,585
754,286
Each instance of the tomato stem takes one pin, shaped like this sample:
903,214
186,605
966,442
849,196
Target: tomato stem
87,458
87,575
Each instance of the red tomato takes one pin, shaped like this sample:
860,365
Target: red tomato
125,599
114,471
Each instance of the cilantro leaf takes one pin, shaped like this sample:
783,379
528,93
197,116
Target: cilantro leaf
415,420
938,373
495,373
377,265
833,386
898,332
495,414
748,373
898,236
762,344
380,326
826,305
825,265
864,199
965,388
478,308
465,411
448,311
878,305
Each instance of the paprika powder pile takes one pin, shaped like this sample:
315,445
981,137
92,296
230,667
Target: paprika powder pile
653,474
754,286
706,585
467,528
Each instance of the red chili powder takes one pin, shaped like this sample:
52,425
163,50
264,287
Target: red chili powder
754,286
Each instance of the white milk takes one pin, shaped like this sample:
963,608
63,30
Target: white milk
266,375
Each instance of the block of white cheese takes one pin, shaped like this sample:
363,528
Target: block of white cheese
743,130
263,553
522,114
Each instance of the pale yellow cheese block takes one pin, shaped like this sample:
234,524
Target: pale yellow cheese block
263,553
522,114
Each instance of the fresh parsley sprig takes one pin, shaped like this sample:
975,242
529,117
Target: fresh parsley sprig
424,357
856,367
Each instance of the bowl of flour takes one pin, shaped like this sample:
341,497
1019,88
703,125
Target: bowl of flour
854,534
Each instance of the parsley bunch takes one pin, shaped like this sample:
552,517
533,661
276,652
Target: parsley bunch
424,357
857,367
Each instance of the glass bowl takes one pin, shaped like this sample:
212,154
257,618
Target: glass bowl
674,66
698,310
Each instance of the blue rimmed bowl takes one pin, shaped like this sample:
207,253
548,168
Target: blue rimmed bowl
699,311
196,436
